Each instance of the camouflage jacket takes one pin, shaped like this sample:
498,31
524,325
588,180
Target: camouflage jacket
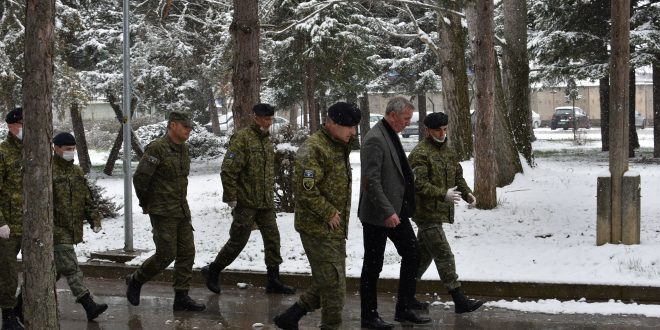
248,168
11,184
72,202
161,178
322,181
436,170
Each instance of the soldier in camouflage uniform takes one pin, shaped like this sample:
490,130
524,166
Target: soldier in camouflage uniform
247,180
322,188
161,186
439,184
72,204
11,218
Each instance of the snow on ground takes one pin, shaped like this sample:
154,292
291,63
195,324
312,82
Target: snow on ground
543,229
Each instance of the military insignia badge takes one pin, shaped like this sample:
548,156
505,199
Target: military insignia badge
308,179
151,159
231,155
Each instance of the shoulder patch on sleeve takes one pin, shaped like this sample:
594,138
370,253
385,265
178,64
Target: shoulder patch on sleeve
308,174
151,159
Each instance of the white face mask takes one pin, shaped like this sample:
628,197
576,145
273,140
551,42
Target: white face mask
438,140
68,155
20,134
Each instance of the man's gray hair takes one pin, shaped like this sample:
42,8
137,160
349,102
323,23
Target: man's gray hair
398,104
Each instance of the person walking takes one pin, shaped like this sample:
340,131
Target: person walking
161,186
11,219
387,201
439,185
322,186
248,180
72,204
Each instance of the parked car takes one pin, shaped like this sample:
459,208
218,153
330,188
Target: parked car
640,120
413,128
563,117
536,120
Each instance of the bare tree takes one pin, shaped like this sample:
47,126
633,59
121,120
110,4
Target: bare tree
81,140
516,75
245,78
480,26
39,272
508,161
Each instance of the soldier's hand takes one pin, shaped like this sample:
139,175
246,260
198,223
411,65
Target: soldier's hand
473,200
392,221
232,204
96,229
4,232
335,221
453,196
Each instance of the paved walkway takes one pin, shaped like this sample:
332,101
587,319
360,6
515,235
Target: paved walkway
238,308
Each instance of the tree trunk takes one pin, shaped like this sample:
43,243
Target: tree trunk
81,140
633,140
365,124
480,25
116,147
516,76
421,109
309,99
508,161
293,117
40,303
245,78
656,108
215,122
604,92
454,77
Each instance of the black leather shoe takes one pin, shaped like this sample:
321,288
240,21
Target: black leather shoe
376,323
419,305
408,316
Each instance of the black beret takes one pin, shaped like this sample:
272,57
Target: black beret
14,116
436,120
263,109
181,117
345,114
64,139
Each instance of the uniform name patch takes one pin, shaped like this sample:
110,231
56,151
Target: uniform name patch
308,174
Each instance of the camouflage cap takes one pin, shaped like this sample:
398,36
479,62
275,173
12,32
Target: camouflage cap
181,117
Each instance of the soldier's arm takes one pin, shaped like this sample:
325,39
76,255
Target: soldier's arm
461,184
146,168
232,165
421,166
91,210
308,173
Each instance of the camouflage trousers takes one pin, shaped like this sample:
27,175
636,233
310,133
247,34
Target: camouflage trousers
9,249
66,264
174,241
240,231
434,247
327,258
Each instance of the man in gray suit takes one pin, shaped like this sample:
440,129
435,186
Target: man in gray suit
387,201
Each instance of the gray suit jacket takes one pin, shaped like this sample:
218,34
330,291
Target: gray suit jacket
382,185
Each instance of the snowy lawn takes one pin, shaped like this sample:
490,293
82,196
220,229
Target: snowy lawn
543,229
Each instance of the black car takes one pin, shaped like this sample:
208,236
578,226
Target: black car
563,117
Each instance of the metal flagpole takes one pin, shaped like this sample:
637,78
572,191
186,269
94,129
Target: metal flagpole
126,105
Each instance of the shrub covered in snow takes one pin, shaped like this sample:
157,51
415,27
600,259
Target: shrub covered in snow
286,142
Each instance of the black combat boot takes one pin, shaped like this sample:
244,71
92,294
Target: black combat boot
289,319
275,285
133,290
211,273
183,302
10,320
92,309
463,304
419,305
